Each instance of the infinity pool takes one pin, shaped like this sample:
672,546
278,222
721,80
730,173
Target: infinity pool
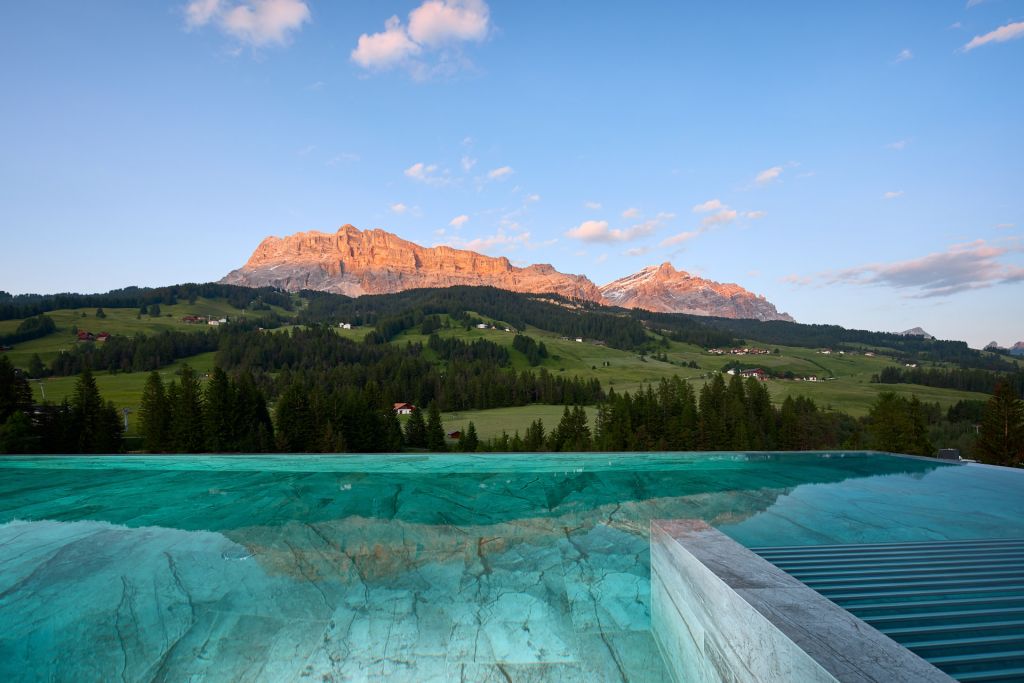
405,567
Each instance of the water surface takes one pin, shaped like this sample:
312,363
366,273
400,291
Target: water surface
406,567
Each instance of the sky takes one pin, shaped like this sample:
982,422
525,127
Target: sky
857,163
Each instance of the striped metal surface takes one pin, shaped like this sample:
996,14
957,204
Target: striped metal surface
957,604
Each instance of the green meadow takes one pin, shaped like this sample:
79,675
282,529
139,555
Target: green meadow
845,380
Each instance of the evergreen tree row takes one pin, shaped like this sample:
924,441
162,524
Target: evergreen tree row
85,423
964,379
229,416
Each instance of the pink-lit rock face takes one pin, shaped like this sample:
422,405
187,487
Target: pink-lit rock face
667,290
356,262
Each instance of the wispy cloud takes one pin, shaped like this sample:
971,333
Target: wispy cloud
468,163
904,55
636,251
599,231
426,173
1005,226
253,22
533,198
769,175
500,173
593,206
960,268
899,145
718,214
1000,35
399,208
435,29
459,221
506,241
709,205
680,238
892,194
631,212
726,215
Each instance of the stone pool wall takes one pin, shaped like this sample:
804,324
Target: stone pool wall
719,612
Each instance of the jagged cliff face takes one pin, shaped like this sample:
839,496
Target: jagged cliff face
356,262
667,290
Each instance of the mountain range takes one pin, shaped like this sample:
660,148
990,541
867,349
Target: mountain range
356,262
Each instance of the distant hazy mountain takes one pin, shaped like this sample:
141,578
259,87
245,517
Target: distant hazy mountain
916,332
1017,349
356,262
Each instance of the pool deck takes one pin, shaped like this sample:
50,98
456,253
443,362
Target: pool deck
722,613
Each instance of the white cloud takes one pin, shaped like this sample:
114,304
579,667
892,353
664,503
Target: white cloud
599,231
425,173
768,175
386,49
709,205
254,22
1000,35
590,231
904,55
500,173
892,194
898,145
754,215
533,198
436,22
726,215
974,3
399,208
680,238
631,212
458,221
1005,226
636,251
437,26
501,239
468,163
593,206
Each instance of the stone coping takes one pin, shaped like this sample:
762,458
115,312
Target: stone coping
752,621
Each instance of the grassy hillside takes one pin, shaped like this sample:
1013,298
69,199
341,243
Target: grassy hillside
119,321
847,388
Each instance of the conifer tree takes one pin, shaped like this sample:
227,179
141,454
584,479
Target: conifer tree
468,440
533,440
219,413
154,415
187,433
416,430
15,392
1001,436
435,430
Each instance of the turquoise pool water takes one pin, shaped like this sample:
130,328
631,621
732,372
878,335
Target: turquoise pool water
428,568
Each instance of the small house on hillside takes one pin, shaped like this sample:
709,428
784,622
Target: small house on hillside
102,336
345,326
482,326
403,408
84,336
756,373
455,435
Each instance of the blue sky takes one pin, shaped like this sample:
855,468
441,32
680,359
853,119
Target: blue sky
857,163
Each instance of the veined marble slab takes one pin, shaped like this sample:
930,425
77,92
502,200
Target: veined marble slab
722,613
